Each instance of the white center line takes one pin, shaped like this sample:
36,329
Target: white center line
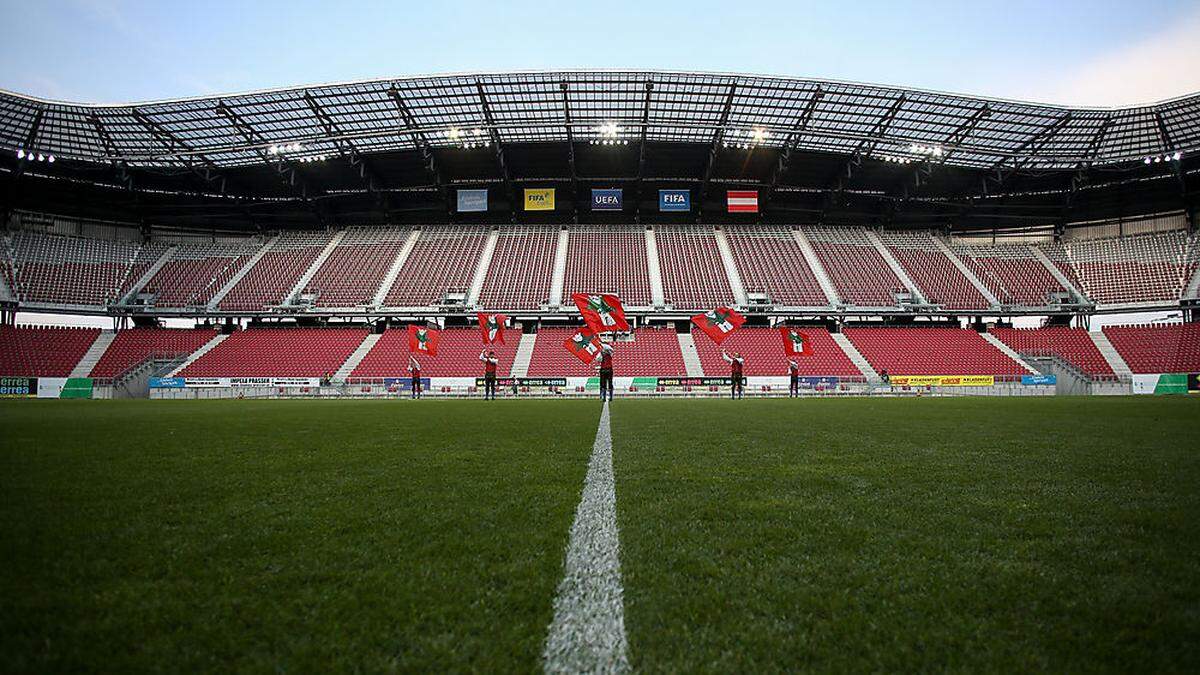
587,634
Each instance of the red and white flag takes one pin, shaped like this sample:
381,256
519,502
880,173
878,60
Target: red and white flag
602,312
742,201
795,342
422,340
492,327
584,344
719,323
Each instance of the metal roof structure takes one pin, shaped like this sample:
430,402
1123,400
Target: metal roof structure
431,132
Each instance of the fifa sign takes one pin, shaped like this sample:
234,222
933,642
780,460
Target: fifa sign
674,200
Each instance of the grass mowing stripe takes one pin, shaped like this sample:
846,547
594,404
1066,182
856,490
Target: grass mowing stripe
588,631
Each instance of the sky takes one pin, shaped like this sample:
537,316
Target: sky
1070,52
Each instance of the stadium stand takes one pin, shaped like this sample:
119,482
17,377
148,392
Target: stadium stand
608,259
278,352
858,272
653,351
770,262
1071,344
134,345
763,350
1158,348
458,355
931,351
355,268
442,262
197,271
1132,269
273,276
935,274
1010,272
43,351
693,273
521,270
72,270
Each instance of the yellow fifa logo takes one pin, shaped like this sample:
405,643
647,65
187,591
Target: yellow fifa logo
539,199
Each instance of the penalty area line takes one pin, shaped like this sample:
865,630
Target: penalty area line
587,634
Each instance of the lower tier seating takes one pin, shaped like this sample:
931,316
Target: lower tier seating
653,351
458,355
1158,348
762,349
931,351
134,345
43,351
279,352
1071,344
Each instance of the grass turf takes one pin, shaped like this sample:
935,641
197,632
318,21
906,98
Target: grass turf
903,535
961,534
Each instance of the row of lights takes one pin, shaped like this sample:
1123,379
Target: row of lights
1158,159
39,157
748,138
468,139
608,134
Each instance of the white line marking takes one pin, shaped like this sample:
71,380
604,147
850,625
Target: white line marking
587,634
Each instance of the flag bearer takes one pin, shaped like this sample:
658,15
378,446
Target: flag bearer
736,364
414,367
606,371
793,378
488,357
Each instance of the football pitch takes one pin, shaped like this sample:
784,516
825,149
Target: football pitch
965,534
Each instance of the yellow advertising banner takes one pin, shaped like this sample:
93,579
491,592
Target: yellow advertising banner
539,199
943,380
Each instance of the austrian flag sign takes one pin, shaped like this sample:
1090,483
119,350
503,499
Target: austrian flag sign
742,201
422,340
584,344
795,342
492,327
602,312
719,323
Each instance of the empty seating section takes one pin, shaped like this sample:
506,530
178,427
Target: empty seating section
653,351
1010,272
43,351
278,352
442,261
693,273
352,273
608,259
931,351
1138,268
70,270
858,272
769,261
521,270
1158,348
762,348
1071,344
932,271
197,271
458,355
135,345
275,274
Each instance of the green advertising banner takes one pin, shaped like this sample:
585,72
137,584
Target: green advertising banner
77,387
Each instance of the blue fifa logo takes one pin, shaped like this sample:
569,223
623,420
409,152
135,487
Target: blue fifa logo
674,200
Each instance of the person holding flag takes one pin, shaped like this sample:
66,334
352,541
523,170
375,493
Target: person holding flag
488,357
414,369
793,378
736,368
606,370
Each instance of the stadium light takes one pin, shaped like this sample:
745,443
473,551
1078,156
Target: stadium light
1177,156
20,153
50,159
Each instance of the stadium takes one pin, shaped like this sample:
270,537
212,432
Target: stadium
955,444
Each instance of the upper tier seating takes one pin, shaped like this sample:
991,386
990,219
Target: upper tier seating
352,273
278,352
134,345
197,271
458,355
762,349
1010,272
1072,344
1138,268
276,272
770,261
858,272
608,259
521,270
442,261
931,351
1158,348
653,352
932,271
693,274
43,351
74,270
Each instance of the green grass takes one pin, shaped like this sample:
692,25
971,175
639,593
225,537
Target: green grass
823,535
